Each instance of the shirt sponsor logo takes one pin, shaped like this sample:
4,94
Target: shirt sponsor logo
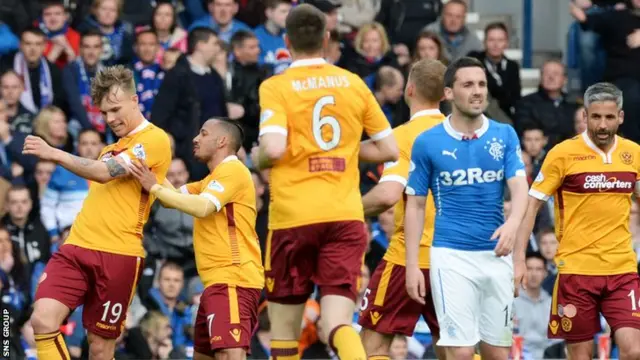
603,183
470,176
582,157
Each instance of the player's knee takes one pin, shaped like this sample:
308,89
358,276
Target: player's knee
375,343
630,352
460,353
100,348
231,354
47,316
286,320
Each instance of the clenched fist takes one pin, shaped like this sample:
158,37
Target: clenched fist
34,145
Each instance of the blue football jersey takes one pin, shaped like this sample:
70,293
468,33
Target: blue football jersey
467,179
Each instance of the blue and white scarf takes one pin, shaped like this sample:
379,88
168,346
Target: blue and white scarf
84,87
46,88
148,81
112,42
51,34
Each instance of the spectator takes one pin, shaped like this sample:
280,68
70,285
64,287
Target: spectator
77,78
620,31
28,235
169,232
354,14
152,339
117,34
42,81
166,299
333,52
503,74
388,87
429,46
13,164
404,19
66,191
51,125
246,79
147,72
549,108
548,246
534,142
330,9
580,121
191,93
42,175
273,50
457,38
8,40
164,22
63,43
169,59
371,50
220,19
399,348
532,307
11,88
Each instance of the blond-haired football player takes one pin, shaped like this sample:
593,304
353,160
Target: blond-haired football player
99,264
224,238
312,119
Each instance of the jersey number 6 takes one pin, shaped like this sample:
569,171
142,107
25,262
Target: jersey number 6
319,121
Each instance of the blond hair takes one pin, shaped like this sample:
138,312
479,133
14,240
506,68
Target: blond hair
41,124
152,322
428,77
374,26
113,76
96,4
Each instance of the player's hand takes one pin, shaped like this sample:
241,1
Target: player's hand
255,151
633,40
141,172
506,235
519,276
34,145
415,284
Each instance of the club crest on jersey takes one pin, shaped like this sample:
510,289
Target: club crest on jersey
626,157
216,186
138,152
495,148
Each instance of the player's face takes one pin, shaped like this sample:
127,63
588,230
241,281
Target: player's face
19,204
603,120
536,272
206,143
89,145
119,108
469,91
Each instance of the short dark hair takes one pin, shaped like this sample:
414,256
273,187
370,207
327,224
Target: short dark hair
272,4
496,26
233,128
33,30
91,130
170,265
143,32
91,32
198,35
18,187
51,3
533,127
238,39
536,255
306,26
463,62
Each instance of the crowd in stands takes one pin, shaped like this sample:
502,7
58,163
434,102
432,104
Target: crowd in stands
198,59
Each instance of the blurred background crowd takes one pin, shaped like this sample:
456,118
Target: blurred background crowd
197,59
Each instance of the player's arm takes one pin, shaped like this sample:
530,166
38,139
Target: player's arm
546,183
94,170
273,126
194,205
389,189
382,145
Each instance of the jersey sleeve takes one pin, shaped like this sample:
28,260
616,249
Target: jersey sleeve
223,185
273,115
191,188
550,176
398,171
155,149
419,169
375,122
514,166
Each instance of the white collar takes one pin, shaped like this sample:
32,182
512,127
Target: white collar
427,112
198,69
308,62
458,135
139,128
606,158
230,158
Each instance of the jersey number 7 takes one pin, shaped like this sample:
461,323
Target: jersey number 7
318,121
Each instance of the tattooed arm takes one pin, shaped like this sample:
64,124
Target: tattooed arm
93,170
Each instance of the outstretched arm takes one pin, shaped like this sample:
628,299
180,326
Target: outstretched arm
194,205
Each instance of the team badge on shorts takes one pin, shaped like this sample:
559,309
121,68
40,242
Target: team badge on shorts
566,324
553,325
626,157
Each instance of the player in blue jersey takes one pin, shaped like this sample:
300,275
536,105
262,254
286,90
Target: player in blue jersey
465,162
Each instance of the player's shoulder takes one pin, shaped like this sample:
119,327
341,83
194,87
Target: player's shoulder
501,128
155,133
568,149
232,166
628,145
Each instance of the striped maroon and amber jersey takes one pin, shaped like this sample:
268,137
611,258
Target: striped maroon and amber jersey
592,197
225,243
114,213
